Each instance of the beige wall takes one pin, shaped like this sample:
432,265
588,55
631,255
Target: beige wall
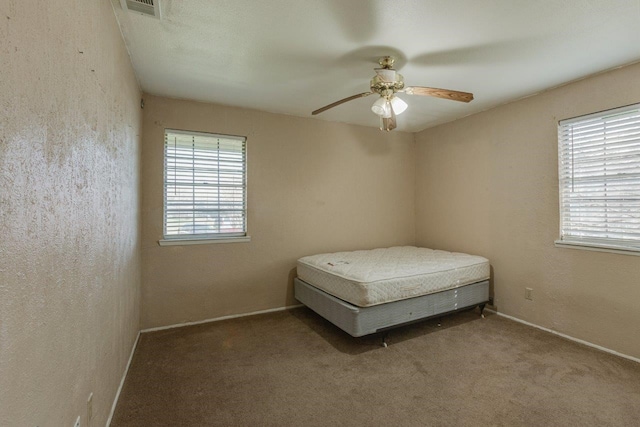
69,261
487,184
313,187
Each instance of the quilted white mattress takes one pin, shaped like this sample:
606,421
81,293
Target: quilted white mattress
372,277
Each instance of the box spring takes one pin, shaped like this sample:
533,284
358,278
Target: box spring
359,321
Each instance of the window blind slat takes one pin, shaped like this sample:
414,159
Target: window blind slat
599,128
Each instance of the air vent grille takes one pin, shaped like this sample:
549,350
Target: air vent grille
144,7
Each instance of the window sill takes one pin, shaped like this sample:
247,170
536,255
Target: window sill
205,241
598,247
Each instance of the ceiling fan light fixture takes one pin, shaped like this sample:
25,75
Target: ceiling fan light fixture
399,106
388,110
381,107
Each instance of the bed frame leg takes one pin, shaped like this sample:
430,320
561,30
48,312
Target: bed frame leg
384,339
482,310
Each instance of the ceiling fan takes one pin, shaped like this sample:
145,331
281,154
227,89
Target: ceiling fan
386,83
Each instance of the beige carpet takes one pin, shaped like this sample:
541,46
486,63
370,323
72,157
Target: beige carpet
294,368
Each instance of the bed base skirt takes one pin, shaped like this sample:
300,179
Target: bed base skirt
359,321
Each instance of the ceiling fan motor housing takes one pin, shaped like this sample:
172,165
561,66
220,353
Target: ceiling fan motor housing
386,82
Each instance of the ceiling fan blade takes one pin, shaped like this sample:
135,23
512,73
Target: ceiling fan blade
388,124
342,101
392,120
439,93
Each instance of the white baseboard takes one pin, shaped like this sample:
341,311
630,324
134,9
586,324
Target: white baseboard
587,343
217,319
124,376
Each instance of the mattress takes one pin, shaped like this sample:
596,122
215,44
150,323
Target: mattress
371,277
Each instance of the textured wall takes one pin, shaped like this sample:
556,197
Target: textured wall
313,187
69,210
488,184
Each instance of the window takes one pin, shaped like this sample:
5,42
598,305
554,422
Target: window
599,174
205,191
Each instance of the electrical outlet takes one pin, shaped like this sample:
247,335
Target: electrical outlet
89,408
77,424
528,293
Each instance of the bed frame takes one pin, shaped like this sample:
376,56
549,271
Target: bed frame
359,321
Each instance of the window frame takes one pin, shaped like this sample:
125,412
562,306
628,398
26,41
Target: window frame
565,144
203,238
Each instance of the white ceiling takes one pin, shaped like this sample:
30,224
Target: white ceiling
294,56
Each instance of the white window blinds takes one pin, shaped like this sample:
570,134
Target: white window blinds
599,174
204,185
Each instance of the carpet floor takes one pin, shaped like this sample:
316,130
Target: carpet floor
294,368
